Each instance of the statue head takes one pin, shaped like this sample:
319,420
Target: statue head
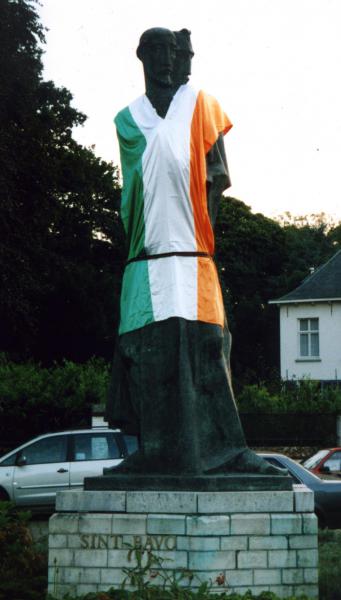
184,55
157,51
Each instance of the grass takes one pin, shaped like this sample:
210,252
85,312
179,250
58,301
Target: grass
330,564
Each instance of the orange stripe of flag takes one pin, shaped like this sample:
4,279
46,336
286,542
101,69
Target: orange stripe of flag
208,122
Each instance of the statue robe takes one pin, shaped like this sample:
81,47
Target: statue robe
171,377
164,210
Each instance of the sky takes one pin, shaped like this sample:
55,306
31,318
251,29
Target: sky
273,65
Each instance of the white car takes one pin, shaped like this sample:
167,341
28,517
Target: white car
32,474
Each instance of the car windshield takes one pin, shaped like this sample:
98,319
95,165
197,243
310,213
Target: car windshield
311,462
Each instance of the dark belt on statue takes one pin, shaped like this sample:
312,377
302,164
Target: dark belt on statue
166,255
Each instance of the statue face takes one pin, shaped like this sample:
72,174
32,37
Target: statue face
183,66
158,58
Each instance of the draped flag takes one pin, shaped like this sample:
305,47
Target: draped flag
164,210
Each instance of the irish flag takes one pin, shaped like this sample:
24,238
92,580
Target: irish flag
164,210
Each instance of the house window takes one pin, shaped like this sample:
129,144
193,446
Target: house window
309,345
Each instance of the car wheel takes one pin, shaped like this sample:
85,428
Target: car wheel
3,495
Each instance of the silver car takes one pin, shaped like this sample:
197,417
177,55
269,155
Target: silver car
32,474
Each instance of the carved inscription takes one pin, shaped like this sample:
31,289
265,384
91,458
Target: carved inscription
98,541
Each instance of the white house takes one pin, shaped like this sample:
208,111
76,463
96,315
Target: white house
310,325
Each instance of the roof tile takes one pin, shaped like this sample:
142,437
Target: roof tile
323,283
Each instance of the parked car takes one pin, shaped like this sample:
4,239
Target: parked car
325,462
327,494
33,473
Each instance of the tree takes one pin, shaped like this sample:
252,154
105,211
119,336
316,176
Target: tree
61,244
260,260
309,243
251,254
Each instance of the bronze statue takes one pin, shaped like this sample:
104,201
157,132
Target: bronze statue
171,381
184,55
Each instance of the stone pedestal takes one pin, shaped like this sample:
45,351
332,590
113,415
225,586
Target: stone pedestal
261,540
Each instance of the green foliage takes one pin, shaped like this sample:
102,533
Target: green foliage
61,243
329,564
250,254
35,399
302,397
259,260
23,565
157,593
62,247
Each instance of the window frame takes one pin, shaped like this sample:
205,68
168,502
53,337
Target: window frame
309,332
22,453
334,456
112,441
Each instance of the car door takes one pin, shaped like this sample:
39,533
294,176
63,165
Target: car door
41,471
92,451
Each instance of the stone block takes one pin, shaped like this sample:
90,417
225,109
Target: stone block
93,558
286,524
244,577
170,559
273,542
68,500
245,502
120,558
257,550
248,559
208,525
95,523
307,558
90,575
201,543
205,561
267,576
292,576
161,502
129,524
60,523
310,575
91,501
282,559
303,541
282,591
258,524
166,524
312,591
150,541
74,541
215,579
176,559
111,577
58,540
69,575
53,574
303,499
254,589
61,557
157,577
234,542
310,523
